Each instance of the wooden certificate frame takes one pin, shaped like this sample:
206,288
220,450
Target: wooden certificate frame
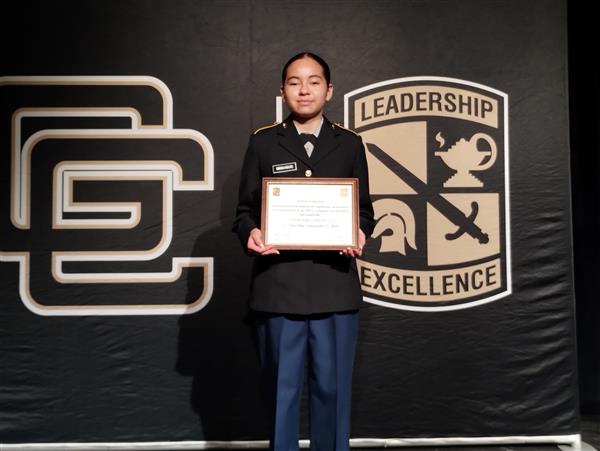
310,213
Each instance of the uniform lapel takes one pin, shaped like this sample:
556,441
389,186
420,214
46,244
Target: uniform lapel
326,143
288,139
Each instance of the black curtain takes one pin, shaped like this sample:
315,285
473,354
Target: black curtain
584,90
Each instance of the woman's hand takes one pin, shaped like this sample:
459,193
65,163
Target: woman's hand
256,245
355,251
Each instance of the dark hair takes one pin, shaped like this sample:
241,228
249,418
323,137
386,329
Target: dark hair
317,58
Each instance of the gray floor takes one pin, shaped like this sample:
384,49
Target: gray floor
590,431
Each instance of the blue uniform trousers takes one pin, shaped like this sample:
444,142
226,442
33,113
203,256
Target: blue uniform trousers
329,342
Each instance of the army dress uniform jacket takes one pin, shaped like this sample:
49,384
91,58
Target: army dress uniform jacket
302,282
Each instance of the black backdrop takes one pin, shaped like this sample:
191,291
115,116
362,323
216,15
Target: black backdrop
504,368
584,90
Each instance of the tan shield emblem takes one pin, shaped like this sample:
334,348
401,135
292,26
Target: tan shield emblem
437,150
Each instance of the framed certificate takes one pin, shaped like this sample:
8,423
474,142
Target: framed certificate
310,213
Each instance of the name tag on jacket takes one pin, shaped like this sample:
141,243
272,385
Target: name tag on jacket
284,167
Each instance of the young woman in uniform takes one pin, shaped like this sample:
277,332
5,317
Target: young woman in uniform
306,302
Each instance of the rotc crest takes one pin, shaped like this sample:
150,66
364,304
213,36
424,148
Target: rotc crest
437,150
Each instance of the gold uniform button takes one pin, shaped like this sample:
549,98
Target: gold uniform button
308,173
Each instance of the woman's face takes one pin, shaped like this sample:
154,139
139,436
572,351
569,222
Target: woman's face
305,89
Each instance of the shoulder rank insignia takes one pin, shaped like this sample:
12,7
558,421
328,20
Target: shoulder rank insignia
265,127
337,124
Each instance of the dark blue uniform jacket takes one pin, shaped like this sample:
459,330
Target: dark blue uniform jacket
302,282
